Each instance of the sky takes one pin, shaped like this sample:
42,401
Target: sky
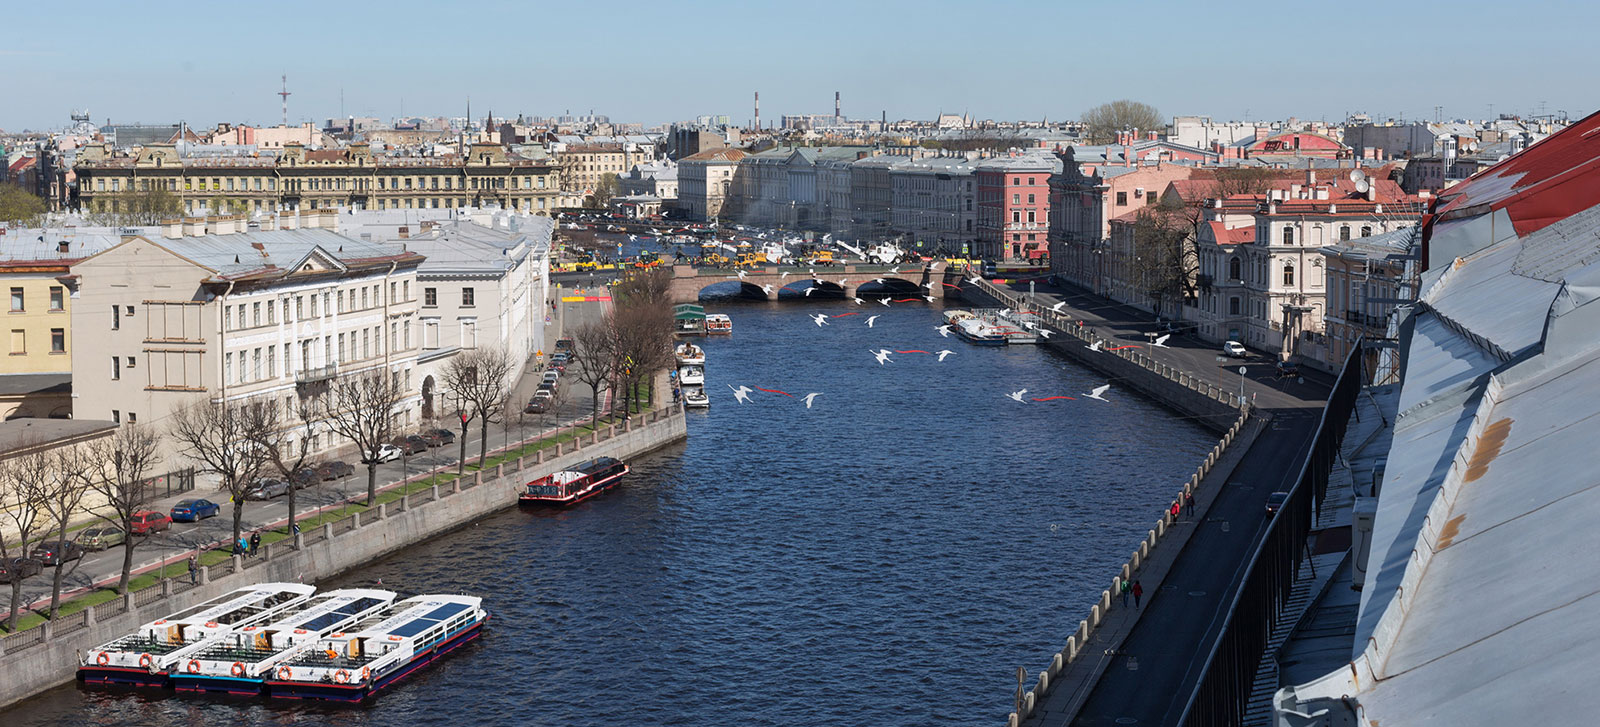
657,62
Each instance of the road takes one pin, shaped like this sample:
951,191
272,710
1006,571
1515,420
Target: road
182,538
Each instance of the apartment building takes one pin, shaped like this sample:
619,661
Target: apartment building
212,310
1014,206
705,182
934,201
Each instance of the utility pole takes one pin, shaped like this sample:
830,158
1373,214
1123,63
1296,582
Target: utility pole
284,94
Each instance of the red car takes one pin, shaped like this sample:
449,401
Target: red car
150,521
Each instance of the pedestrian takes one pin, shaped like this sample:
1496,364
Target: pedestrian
1174,512
1138,590
1126,588
1188,502
194,567
255,543
240,547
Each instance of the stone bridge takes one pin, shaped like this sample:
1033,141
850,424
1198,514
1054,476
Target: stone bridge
847,281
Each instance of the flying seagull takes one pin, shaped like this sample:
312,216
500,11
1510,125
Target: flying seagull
1044,332
1057,307
1004,311
767,288
1099,392
783,275
1161,341
882,355
929,297
944,352
742,393
810,290
870,319
1096,345
809,397
819,319
879,281
743,273
1017,395
943,330
974,280
884,301
894,270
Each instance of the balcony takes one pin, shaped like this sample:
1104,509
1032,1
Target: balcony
319,373
1366,319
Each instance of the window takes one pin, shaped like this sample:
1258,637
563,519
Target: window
467,297
405,289
299,307
1288,235
255,364
1122,199
363,297
1288,275
272,359
133,362
116,366
243,374
16,300
393,294
342,356
1030,199
366,343
1233,269
58,298
116,416
1344,232
116,317
313,305
1016,198
133,418
1366,231
255,311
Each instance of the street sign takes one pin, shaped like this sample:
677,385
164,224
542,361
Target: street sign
1241,370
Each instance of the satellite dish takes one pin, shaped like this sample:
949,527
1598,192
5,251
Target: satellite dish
1357,177
1362,186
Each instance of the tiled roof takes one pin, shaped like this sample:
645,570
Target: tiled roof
716,155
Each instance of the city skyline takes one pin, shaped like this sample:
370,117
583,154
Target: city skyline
677,63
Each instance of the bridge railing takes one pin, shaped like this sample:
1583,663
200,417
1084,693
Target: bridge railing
1222,694
1069,327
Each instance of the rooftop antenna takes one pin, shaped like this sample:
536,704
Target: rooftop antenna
284,94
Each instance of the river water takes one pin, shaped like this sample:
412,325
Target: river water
889,556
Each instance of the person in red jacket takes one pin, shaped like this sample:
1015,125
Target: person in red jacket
1138,590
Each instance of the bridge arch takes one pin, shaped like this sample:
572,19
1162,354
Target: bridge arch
821,290
730,288
893,287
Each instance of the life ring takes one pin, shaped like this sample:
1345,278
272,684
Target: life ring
211,624
341,677
237,670
285,673
300,631
336,635
160,621
144,661
366,673
394,638
103,659
193,667
249,628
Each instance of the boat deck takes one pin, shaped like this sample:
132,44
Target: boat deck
146,645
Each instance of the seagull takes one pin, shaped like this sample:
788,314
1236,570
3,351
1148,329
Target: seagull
945,352
743,273
943,330
1017,395
819,319
809,397
1095,346
929,297
1098,392
767,288
1162,340
810,290
1030,325
841,282
870,319
742,393
882,355
783,275
974,280
929,286
1044,332
894,270
858,301
885,301
1003,311
1057,307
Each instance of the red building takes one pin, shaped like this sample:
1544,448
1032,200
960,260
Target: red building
1014,207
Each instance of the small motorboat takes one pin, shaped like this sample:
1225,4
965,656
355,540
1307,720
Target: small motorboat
694,397
689,354
718,323
692,375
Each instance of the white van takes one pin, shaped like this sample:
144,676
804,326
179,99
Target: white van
1234,349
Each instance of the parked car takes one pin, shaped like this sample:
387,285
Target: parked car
538,405
50,554
432,438
146,522
548,388
1288,369
551,377
384,453
563,344
17,569
305,477
193,510
1275,501
444,435
560,357
1234,349
101,537
412,444
334,469
264,488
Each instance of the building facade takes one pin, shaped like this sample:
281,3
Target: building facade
1013,202
934,202
705,182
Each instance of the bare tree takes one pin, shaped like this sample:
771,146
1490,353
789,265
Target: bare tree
361,409
122,464
22,495
1244,180
220,438
593,359
1167,262
1105,120
480,378
285,454
62,497
643,326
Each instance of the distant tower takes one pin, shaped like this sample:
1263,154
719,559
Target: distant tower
758,110
284,94
836,114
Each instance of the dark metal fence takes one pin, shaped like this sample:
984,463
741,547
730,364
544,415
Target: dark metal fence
1222,695
171,483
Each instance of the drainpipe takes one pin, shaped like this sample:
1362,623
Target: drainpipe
222,336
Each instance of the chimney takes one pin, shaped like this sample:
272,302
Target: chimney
1311,176
309,220
289,221
172,229
758,110
405,232
269,223
836,105
1127,156
194,226
1152,136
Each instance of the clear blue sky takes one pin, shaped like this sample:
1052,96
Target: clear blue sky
661,61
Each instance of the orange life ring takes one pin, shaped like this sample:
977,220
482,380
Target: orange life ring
193,666
144,661
366,673
300,631
211,624
285,673
394,638
249,628
336,635
160,621
103,659
237,670
341,677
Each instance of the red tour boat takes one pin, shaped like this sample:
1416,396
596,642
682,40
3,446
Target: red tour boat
575,485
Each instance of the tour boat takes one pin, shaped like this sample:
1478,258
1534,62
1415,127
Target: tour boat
695,397
145,657
975,331
240,662
689,354
718,323
357,664
692,375
569,487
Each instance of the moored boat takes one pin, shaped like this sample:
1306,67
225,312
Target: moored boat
718,323
978,333
689,354
692,375
145,657
569,487
357,664
694,397
240,661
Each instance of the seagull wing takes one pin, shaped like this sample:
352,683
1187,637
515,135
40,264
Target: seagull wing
870,319
1100,390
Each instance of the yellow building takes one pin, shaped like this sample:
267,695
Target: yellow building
38,316
300,179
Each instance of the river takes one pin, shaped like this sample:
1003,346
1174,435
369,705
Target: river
889,556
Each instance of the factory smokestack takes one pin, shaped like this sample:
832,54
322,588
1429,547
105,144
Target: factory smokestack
758,110
836,113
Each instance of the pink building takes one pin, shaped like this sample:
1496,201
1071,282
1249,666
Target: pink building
1014,207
